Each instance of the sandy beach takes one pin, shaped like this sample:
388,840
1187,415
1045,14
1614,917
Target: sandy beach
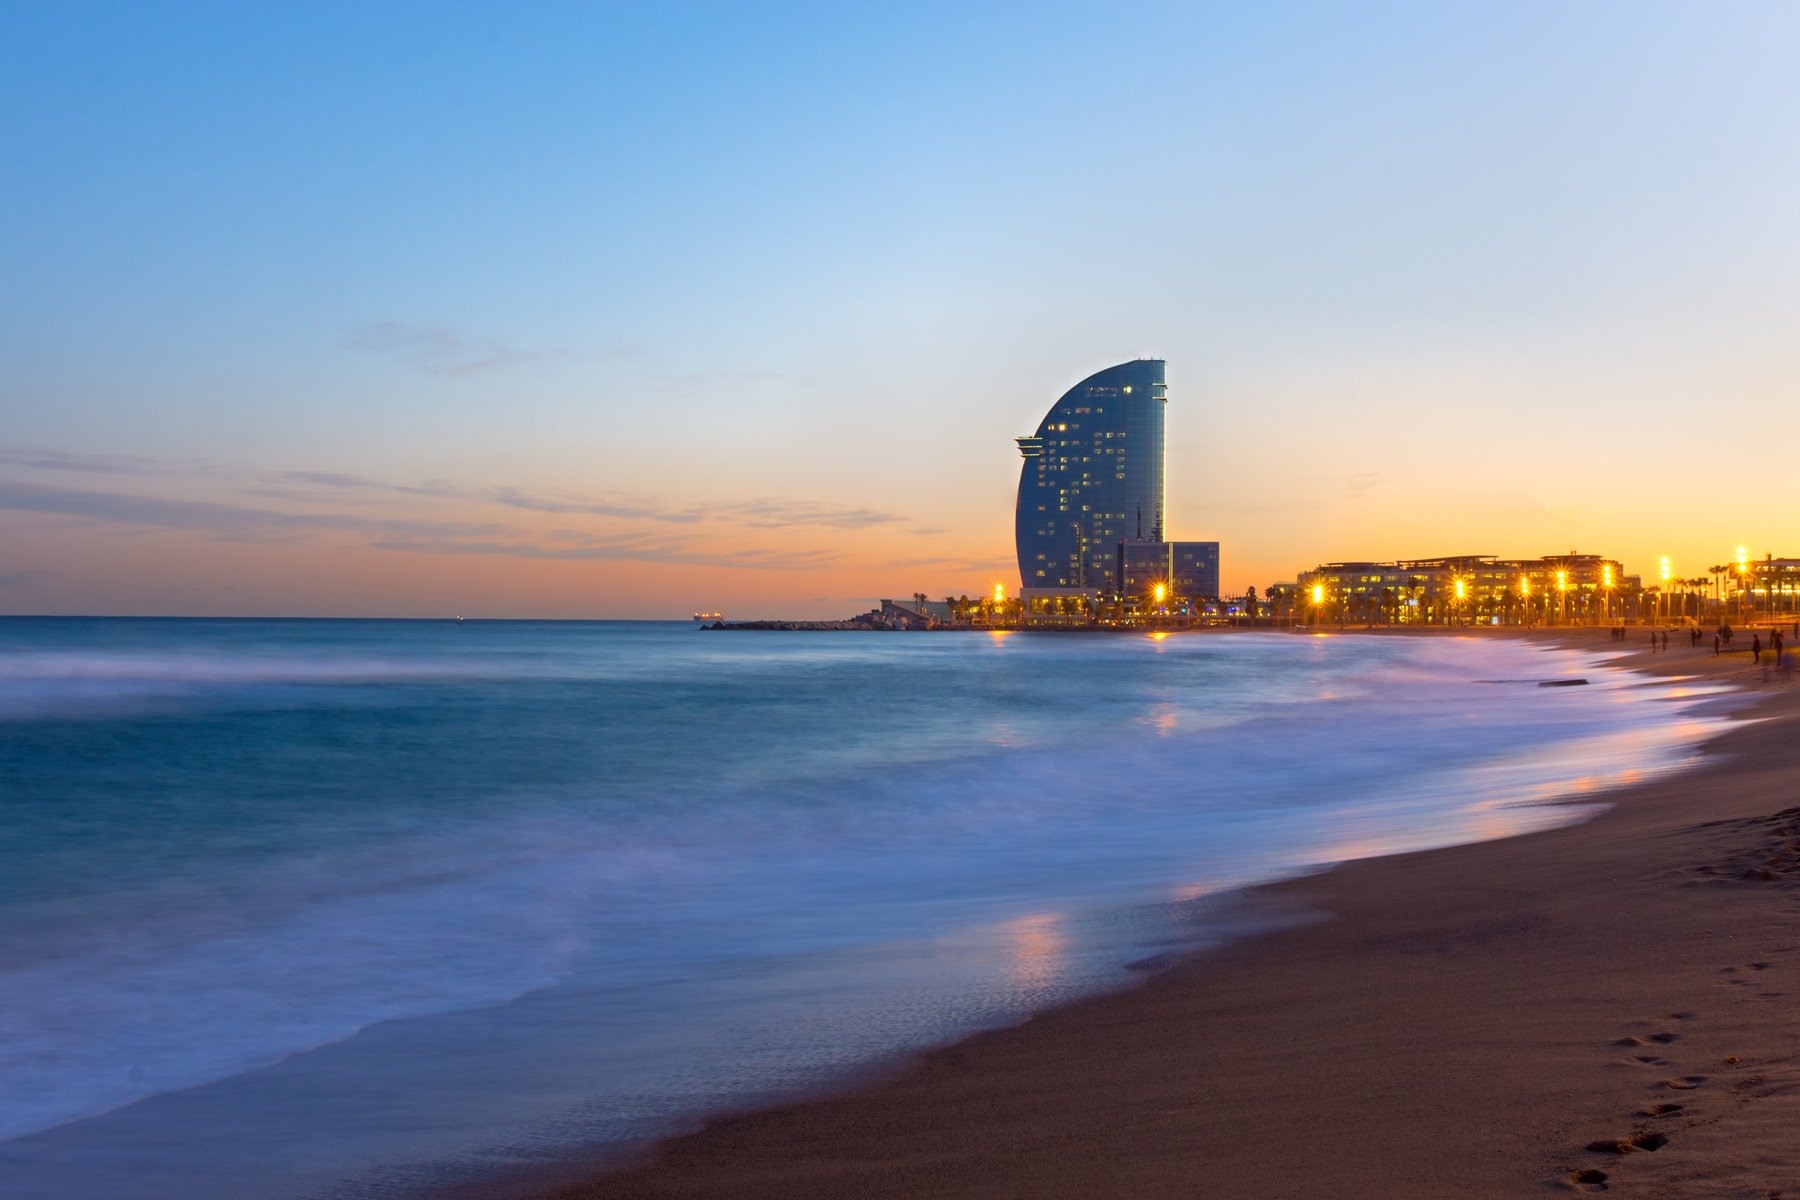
1608,1006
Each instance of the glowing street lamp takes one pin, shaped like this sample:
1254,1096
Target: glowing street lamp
1666,574
1159,591
1562,594
1606,586
1525,595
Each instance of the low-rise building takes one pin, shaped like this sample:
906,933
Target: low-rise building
1464,589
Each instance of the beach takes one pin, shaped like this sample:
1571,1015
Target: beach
1608,1006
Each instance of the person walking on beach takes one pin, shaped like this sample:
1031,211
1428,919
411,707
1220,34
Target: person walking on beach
1756,649
1715,645
1665,644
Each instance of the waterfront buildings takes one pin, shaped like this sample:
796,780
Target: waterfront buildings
1089,521
1772,585
1468,588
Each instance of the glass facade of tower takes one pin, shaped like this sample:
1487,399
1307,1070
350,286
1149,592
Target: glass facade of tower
1093,477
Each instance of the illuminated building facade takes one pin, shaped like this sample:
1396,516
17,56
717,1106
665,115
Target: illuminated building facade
1092,479
1771,585
1470,587
1194,569
1141,566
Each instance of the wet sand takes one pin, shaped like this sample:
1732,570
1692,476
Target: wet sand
1613,1006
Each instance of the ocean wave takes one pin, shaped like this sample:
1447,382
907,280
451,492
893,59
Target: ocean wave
1250,758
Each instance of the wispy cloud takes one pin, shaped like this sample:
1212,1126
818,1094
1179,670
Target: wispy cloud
626,547
756,514
615,505
301,485
441,350
780,514
287,506
237,522
88,464
338,481
211,516
20,578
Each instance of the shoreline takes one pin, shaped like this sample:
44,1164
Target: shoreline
1441,1032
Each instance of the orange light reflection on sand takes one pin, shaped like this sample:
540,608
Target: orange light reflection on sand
1037,946
1159,635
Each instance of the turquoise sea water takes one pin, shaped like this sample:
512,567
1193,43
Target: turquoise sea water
340,908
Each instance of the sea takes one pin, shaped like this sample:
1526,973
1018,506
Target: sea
385,909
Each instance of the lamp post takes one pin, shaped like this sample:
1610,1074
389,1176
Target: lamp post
1318,599
1606,590
1666,574
1461,591
1562,597
1525,596
1743,566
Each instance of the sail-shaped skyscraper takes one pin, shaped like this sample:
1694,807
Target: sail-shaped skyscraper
1090,510
1093,478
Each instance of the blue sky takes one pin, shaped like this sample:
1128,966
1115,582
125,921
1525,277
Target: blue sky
577,296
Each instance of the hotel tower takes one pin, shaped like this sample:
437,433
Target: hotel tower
1090,511
1093,478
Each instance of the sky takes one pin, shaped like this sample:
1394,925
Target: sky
632,310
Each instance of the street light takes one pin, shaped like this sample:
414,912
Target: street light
1743,579
1525,595
1666,573
1462,589
1606,586
1562,595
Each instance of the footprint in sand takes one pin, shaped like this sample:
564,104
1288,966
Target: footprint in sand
1589,1180
1660,1110
1625,1145
1683,1016
1645,1060
1683,1083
